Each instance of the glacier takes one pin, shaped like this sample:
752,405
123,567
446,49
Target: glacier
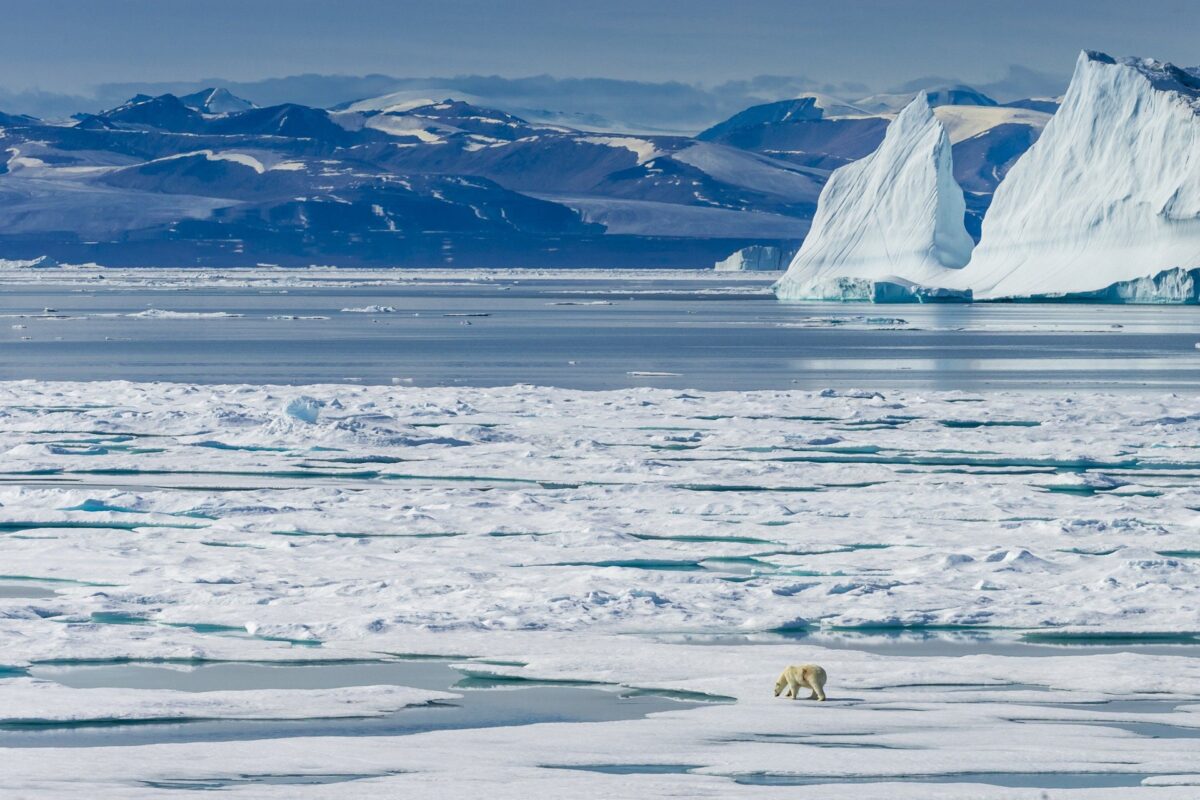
1110,193
889,227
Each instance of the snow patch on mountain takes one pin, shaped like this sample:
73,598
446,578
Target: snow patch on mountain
644,149
216,101
415,127
397,102
1110,193
964,122
894,217
653,218
237,158
834,107
752,171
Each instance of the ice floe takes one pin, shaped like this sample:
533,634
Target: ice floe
1001,586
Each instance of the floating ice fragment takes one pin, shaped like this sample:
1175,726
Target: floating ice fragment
156,313
858,394
305,409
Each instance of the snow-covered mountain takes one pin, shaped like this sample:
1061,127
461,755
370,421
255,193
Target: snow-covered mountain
822,133
216,101
798,110
1110,193
835,107
950,95
888,226
519,105
207,177
200,179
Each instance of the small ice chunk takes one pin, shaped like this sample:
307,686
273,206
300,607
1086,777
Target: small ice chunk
305,409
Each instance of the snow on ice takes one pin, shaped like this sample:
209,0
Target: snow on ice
638,539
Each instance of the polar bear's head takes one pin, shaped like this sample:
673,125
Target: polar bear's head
779,684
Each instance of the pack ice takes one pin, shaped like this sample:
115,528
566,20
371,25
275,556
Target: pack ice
918,546
888,227
1109,196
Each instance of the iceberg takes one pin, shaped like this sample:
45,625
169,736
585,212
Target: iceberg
305,409
889,227
1105,206
1169,287
756,258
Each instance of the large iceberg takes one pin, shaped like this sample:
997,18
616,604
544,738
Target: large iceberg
1106,204
889,227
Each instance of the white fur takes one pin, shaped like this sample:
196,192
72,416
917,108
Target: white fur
810,676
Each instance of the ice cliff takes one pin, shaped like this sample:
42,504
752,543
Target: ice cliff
756,258
888,227
1107,202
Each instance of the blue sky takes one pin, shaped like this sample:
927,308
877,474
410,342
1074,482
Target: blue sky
72,45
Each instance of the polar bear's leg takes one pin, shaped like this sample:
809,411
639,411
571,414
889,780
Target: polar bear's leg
816,682
793,688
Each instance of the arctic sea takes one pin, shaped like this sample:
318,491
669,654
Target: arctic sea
323,532
587,331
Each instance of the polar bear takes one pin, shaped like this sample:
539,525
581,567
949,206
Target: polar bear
810,676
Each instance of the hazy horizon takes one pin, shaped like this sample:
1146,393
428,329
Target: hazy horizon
73,46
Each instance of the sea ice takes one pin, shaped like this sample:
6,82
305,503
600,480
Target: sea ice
646,539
